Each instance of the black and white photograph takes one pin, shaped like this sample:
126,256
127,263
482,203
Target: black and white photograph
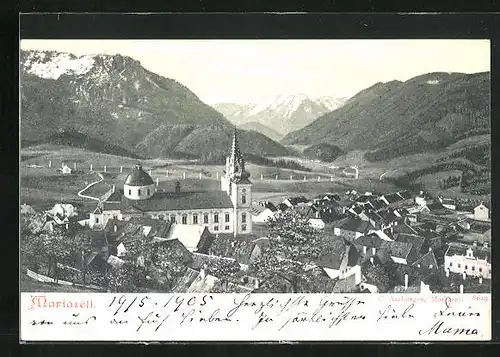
255,166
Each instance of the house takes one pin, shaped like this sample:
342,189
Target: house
363,198
479,231
401,212
422,199
416,242
243,252
319,217
436,207
196,238
418,209
427,261
373,218
368,244
472,260
406,195
448,203
481,212
65,169
405,249
63,210
391,199
376,205
352,228
262,211
337,257
195,282
332,197
282,207
27,209
349,283
296,201
356,210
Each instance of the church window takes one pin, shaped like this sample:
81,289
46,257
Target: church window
480,270
97,220
216,228
148,191
227,217
243,218
205,218
184,219
458,265
451,264
243,196
473,268
172,218
195,219
216,218
130,192
243,227
138,192
466,267
226,228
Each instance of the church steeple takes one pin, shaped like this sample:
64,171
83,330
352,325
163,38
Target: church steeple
235,164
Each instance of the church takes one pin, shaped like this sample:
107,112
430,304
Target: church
224,211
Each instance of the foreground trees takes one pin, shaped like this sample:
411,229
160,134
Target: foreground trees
294,245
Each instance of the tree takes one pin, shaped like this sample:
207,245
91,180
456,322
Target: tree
55,246
126,278
171,263
380,276
225,270
293,244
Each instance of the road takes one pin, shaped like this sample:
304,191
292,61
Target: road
80,193
382,176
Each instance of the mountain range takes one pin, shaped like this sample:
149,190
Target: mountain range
113,102
283,114
427,112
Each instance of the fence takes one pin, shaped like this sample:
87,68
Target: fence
158,174
45,279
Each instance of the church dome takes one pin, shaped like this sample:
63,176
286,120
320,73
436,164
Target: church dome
138,177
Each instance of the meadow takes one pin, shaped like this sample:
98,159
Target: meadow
42,187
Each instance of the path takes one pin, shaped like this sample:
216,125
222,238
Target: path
80,193
382,176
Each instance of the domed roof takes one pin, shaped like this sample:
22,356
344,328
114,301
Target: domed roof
138,177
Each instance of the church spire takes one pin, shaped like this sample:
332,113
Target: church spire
235,165
235,149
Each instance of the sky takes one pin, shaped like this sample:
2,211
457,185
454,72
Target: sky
253,71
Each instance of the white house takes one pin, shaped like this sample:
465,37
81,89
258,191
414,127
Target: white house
448,203
65,169
471,260
261,213
481,212
189,235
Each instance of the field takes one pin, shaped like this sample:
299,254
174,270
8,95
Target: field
42,187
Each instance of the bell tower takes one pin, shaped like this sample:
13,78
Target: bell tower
236,183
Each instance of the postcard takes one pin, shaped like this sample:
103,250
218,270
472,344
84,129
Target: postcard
255,190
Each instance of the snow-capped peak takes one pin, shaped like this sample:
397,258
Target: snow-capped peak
52,65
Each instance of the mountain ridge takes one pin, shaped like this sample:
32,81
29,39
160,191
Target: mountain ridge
427,112
114,100
283,114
